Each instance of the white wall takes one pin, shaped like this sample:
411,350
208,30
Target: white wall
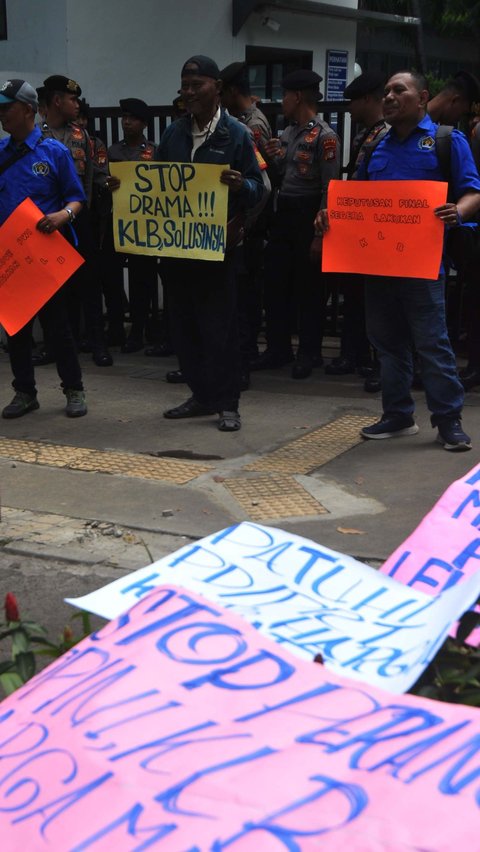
36,44
136,48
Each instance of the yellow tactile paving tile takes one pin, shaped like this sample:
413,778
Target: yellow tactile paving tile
316,448
78,458
272,496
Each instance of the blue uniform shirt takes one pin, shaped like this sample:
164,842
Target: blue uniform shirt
46,174
415,158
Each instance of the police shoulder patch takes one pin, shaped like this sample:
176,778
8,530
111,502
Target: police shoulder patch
41,169
329,149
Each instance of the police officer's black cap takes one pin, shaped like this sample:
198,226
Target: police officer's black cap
298,81
201,66
58,83
234,73
470,86
135,107
84,108
365,84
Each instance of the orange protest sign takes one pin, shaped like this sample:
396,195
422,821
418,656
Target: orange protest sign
384,227
33,266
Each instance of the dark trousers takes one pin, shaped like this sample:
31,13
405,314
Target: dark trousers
142,284
54,318
204,327
354,341
249,273
84,289
83,292
405,311
294,287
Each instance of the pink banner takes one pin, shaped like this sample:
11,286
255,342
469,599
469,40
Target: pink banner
445,548
180,727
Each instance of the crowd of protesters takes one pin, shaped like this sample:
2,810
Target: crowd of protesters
394,330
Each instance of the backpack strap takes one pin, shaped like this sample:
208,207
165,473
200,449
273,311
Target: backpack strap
443,149
19,153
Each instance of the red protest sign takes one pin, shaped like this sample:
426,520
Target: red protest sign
33,266
384,227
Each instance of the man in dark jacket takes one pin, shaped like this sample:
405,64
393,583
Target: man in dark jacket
202,294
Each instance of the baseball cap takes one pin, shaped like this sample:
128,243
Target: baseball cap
18,90
205,67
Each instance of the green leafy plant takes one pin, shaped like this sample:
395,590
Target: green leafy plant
454,673
29,640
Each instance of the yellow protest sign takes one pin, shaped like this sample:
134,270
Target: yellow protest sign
170,210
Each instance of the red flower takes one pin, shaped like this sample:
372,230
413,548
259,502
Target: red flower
67,634
11,607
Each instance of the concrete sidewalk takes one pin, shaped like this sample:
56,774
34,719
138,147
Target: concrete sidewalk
84,499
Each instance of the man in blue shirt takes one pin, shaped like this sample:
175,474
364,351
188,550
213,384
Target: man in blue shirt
40,169
405,311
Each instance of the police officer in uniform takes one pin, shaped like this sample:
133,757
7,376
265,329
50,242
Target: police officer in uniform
142,270
365,94
237,99
306,158
62,96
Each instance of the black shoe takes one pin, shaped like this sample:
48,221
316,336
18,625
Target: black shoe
372,383
21,404
76,405
190,408
270,361
304,364
85,346
390,427
39,359
160,350
133,344
102,357
175,377
469,379
302,367
452,436
340,367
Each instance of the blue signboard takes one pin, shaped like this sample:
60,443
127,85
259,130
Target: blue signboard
336,79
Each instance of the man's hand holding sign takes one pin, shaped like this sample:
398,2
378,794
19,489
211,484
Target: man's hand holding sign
370,225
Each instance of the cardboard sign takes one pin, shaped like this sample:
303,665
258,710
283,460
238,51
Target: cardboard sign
180,727
310,599
444,550
384,227
170,210
33,266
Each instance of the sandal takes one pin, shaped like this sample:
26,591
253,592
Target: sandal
229,421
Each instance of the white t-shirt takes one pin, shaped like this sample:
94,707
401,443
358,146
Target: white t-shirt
200,136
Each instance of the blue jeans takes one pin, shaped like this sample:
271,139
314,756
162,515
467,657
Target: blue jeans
404,314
